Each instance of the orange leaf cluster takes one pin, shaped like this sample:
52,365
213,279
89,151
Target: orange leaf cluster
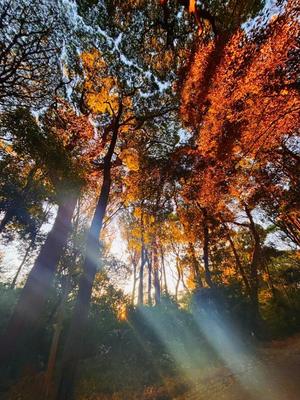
241,98
241,95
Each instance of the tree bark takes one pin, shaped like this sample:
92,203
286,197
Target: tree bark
255,264
24,259
178,278
157,291
141,278
164,271
24,320
208,279
56,336
74,346
195,265
238,262
134,283
149,263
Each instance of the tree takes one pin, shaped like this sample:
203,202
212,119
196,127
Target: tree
29,53
243,112
121,110
22,194
44,144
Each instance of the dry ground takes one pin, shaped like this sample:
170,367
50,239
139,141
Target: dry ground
274,374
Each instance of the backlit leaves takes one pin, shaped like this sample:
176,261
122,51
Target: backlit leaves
100,88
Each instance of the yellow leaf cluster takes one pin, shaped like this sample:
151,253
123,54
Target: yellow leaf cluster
137,212
192,6
101,90
130,158
92,60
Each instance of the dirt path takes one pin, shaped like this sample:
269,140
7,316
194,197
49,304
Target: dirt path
273,374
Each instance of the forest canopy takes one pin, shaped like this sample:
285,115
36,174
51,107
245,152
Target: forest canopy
149,195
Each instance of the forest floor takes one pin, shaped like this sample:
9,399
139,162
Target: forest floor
273,374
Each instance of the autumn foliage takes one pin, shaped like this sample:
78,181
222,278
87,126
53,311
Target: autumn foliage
242,101
149,184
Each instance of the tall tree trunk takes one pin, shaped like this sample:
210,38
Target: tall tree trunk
58,326
183,282
156,275
141,277
195,266
208,279
24,259
238,262
24,320
164,270
255,264
270,283
74,343
149,264
178,278
56,336
134,283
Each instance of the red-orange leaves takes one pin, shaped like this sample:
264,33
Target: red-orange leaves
240,94
240,97
192,6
